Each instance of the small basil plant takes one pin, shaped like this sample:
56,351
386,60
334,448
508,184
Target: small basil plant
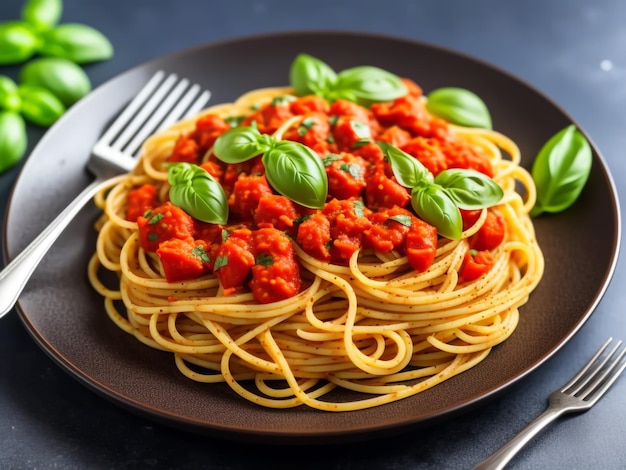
437,200
291,168
364,85
49,84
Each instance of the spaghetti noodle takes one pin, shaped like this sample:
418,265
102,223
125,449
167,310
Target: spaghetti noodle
369,321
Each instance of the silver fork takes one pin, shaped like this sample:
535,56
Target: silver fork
161,102
578,395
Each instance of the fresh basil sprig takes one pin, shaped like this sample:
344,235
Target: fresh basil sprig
48,85
437,200
364,84
561,170
292,169
197,193
38,32
459,106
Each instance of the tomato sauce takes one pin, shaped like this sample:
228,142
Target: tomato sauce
366,207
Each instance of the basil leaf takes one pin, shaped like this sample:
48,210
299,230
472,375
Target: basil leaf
13,139
470,189
76,42
39,105
367,84
408,170
459,106
402,219
364,84
197,193
42,14
309,75
561,170
240,144
9,97
18,42
297,172
66,80
432,204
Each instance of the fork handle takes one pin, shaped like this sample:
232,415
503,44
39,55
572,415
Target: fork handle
15,275
502,456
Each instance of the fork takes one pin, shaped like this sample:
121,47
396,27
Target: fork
161,102
578,395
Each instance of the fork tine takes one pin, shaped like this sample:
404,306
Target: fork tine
169,111
591,379
599,386
144,112
159,104
587,366
132,108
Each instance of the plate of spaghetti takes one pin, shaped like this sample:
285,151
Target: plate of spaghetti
322,253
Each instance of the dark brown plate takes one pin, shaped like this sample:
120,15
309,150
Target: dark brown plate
67,318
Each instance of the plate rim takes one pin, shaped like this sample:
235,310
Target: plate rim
175,420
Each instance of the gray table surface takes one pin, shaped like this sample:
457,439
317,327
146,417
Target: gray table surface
572,50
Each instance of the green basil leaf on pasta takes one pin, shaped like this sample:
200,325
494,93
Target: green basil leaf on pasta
13,139
432,204
39,105
18,42
363,84
195,191
368,84
297,172
42,14
76,42
309,75
459,106
408,170
240,144
561,170
470,189
66,80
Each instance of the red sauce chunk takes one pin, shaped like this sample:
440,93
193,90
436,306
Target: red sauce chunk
366,209
276,273
140,200
164,223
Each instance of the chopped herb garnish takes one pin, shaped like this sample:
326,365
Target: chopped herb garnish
299,220
147,214
220,262
264,260
199,252
305,125
353,169
358,208
402,219
361,130
473,252
155,219
225,234
234,121
330,139
361,143
332,120
282,100
153,237
330,158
